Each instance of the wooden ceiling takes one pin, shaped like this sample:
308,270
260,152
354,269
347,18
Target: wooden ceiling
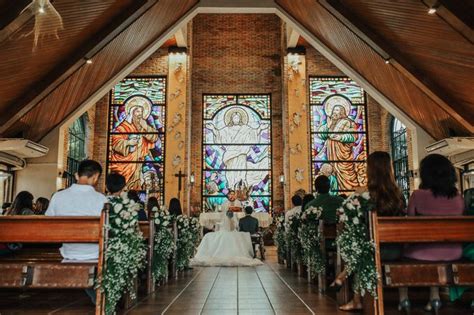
431,71
430,75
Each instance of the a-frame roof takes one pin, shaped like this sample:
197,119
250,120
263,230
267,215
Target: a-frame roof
430,74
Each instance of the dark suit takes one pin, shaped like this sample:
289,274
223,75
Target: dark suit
248,224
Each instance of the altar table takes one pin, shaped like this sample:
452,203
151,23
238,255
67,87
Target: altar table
209,219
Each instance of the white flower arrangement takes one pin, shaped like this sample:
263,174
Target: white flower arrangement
164,244
188,237
280,236
354,244
125,253
310,239
293,241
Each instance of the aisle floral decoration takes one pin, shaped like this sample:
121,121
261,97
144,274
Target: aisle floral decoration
310,239
163,244
354,243
280,236
125,253
293,241
188,237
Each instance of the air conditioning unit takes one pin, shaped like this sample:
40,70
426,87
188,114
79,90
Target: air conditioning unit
12,162
451,146
22,148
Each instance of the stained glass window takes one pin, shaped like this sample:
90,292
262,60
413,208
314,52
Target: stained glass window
400,156
76,148
136,141
338,132
237,150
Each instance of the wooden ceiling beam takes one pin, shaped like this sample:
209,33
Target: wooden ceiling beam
292,37
457,14
11,20
397,60
39,90
181,37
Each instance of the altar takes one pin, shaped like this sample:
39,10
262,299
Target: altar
209,219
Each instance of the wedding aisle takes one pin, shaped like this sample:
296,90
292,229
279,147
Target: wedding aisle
267,289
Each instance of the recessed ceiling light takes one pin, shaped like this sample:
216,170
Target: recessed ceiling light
431,10
387,61
88,61
41,10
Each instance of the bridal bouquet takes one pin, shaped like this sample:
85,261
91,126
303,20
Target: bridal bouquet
125,254
164,244
354,243
310,239
293,241
280,236
188,236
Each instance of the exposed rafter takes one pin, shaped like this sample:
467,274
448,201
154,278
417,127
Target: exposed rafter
458,14
181,37
60,73
292,37
397,60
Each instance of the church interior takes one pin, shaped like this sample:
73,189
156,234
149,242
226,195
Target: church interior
343,129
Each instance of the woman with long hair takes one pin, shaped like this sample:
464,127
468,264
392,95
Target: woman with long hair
388,200
23,204
175,207
152,203
437,196
41,205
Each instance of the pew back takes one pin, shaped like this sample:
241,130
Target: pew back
422,229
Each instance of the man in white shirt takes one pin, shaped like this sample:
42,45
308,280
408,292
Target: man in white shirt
232,203
81,199
297,202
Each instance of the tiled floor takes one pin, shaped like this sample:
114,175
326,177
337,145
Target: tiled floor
267,289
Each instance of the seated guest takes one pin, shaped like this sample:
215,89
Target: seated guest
437,195
152,203
248,223
232,203
296,200
324,200
41,205
133,195
115,184
389,201
306,199
22,205
81,199
175,207
5,208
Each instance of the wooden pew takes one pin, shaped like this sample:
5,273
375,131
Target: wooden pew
421,229
328,232
46,273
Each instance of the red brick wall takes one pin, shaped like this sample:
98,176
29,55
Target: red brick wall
238,53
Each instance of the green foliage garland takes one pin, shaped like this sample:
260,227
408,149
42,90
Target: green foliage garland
310,239
188,237
355,247
293,241
280,236
163,245
125,253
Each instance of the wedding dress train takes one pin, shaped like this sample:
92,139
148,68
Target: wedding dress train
226,247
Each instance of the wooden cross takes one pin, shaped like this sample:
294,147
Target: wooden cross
180,175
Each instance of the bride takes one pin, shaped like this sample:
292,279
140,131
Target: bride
226,247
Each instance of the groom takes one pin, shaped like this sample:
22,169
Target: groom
248,223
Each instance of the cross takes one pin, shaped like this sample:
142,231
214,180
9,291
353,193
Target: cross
180,175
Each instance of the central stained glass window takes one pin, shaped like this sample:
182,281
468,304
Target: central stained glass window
237,150
137,134
338,132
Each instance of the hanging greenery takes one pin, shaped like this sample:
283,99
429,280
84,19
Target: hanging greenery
293,241
310,239
125,254
354,243
188,237
280,236
163,245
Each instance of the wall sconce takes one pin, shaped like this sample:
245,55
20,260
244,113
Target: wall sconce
192,179
282,180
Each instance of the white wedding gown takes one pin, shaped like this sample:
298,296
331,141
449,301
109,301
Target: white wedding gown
226,247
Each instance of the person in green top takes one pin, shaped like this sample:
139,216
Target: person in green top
324,200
